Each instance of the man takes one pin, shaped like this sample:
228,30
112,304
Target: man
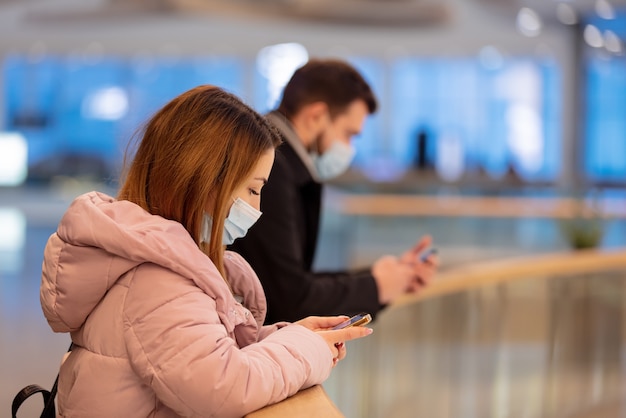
323,106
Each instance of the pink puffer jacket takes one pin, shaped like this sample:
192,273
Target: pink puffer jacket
157,331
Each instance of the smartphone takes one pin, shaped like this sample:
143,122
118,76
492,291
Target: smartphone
427,253
356,321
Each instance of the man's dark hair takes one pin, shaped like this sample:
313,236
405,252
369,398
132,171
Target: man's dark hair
331,81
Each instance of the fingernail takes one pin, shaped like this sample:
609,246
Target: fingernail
369,331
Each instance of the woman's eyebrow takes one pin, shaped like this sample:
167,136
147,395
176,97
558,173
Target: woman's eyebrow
263,179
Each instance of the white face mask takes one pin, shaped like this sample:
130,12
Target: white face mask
240,218
335,161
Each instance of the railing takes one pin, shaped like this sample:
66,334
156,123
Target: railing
476,275
311,402
541,336
387,204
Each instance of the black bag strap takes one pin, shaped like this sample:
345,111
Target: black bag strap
26,393
49,409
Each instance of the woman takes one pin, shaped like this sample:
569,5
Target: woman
165,323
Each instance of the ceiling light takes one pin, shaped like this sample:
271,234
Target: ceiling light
566,14
528,22
612,42
605,10
106,103
277,63
13,159
593,37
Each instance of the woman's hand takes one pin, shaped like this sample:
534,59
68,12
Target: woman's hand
335,339
320,323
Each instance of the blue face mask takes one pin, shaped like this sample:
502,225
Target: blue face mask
240,218
334,162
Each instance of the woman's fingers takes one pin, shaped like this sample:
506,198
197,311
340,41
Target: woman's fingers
345,334
335,339
316,323
341,351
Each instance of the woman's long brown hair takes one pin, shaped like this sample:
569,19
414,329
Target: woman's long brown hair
203,143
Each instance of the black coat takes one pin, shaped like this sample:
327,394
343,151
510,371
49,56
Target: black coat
281,248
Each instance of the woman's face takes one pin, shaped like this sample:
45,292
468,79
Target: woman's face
250,189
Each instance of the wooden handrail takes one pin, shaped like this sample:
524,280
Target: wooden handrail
311,402
493,272
472,206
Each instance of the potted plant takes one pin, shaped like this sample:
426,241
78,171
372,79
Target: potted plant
585,225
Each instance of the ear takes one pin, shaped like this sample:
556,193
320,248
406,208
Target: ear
309,121
316,114
312,118
317,109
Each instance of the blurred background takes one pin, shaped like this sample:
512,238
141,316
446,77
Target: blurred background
501,133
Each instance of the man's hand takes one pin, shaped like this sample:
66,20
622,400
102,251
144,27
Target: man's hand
407,274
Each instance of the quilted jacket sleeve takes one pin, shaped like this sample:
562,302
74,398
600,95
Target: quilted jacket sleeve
180,348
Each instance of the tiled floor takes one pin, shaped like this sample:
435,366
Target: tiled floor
504,352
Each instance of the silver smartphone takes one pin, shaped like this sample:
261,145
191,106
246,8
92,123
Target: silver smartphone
427,253
356,321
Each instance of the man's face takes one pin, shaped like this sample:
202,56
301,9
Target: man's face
344,127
